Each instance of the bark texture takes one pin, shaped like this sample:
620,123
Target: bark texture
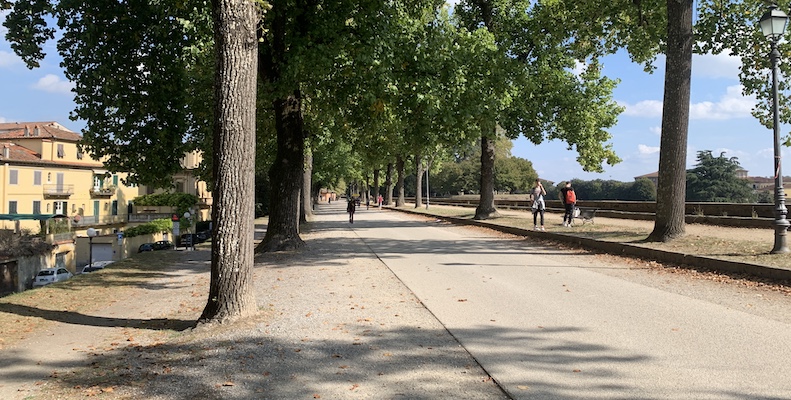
230,289
307,188
485,209
400,201
389,185
282,231
418,181
671,188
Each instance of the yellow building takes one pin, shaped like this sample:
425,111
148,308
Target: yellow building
42,171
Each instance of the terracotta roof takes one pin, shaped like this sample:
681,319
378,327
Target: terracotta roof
651,175
17,153
46,130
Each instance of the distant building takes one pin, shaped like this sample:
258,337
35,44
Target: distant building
653,177
44,175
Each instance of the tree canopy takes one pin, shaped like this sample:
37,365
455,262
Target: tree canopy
715,179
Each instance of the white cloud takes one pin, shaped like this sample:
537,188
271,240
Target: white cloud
647,150
731,105
53,84
8,59
716,66
3,120
656,130
645,108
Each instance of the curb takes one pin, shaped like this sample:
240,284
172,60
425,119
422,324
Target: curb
757,270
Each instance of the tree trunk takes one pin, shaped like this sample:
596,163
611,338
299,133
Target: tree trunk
230,288
400,201
307,186
377,186
671,188
486,208
389,184
282,231
418,181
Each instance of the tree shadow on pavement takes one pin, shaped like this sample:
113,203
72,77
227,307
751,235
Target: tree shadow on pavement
71,317
393,363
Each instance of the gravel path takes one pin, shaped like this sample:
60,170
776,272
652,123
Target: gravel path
334,323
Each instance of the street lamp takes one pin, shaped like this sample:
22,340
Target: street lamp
773,25
92,233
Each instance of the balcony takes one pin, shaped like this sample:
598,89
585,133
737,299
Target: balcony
58,191
107,191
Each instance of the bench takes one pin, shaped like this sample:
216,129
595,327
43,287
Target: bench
586,214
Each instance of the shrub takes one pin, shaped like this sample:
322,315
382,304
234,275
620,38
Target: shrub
22,245
155,226
181,201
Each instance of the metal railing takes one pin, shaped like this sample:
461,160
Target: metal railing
58,190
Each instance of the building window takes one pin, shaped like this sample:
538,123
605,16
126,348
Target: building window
79,153
37,178
115,180
179,187
115,207
36,207
13,178
61,153
12,207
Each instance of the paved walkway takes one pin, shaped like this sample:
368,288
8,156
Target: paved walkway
397,306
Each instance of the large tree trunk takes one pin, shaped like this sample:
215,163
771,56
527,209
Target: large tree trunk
671,188
418,181
307,186
485,209
285,174
282,231
400,201
230,288
389,184
377,186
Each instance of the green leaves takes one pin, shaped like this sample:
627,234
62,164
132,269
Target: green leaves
715,179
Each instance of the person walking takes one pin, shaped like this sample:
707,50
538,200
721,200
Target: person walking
569,200
537,195
350,208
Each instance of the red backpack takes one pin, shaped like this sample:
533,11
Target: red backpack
571,197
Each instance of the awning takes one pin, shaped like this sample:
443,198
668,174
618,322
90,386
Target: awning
25,217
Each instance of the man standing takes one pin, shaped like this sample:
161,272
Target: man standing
350,208
569,200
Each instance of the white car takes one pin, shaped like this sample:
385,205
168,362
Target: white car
51,275
97,265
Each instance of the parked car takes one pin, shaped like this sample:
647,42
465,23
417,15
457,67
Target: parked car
95,266
51,275
163,245
204,236
145,247
189,240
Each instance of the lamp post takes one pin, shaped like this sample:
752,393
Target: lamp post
773,25
92,233
191,238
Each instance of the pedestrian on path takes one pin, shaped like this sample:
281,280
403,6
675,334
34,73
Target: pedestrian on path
569,200
350,208
537,195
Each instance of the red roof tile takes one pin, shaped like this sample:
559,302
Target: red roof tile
46,130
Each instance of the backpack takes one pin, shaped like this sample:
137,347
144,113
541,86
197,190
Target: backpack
571,197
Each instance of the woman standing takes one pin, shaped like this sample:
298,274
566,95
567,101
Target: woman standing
537,195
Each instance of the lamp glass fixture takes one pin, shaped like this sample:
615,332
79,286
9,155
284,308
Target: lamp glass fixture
773,23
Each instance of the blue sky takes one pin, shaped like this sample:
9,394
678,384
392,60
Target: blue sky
720,121
720,115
